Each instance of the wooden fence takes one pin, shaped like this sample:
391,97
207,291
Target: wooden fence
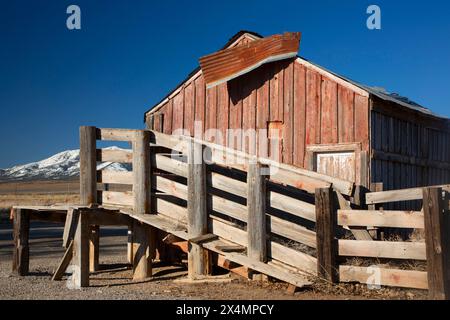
283,218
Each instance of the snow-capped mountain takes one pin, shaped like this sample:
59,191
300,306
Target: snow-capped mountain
62,165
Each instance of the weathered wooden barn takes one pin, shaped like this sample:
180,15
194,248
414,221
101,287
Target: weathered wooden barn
327,123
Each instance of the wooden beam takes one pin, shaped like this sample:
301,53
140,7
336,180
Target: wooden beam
142,263
437,243
327,266
256,206
88,166
381,218
81,251
398,195
388,277
70,226
116,134
107,155
382,249
141,172
21,254
65,261
94,248
198,258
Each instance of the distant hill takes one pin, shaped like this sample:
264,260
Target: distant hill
63,165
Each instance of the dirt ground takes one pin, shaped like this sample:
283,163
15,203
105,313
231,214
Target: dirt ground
115,280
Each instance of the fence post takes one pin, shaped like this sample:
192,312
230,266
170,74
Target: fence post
142,263
198,258
88,185
141,172
256,206
21,253
327,246
81,251
88,166
437,246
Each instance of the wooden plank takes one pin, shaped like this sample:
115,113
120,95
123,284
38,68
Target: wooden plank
203,238
291,231
94,248
109,134
299,114
262,109
88,166
398,195
117,198
382,249
230,248
288,114
142,263
437,243
312,107
70,226
329,118
325,234
256,216
171,187
388,277
189,104
80,275
169,165
346,114
200,98
141,173
394,219
115,177
198,259
293,206
234,139
223,101
65,262
211,115
21,253
230,185
294,258
362,121
108,155
284,275
178,112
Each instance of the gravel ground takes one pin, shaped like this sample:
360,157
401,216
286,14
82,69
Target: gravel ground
115,280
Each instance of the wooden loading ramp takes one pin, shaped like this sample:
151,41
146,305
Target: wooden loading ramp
273,270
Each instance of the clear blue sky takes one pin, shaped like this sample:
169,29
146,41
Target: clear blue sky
129,54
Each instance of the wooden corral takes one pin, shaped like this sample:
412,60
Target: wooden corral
326,122
244,213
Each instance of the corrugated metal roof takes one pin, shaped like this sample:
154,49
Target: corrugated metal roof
231,63
376,91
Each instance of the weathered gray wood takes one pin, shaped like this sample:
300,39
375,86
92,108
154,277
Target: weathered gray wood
88,166
203,238
130,255
65,261
325,230
437,243
141,172
389,277
198,258
398,195
256,206
21,254
142,262
94,248
70,226
81,251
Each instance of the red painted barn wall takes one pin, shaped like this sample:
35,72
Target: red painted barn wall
311,108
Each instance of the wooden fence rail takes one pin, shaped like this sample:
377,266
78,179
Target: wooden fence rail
227,196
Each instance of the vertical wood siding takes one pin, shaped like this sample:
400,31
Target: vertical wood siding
312,109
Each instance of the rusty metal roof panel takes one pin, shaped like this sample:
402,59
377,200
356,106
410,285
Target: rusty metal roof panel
231,63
